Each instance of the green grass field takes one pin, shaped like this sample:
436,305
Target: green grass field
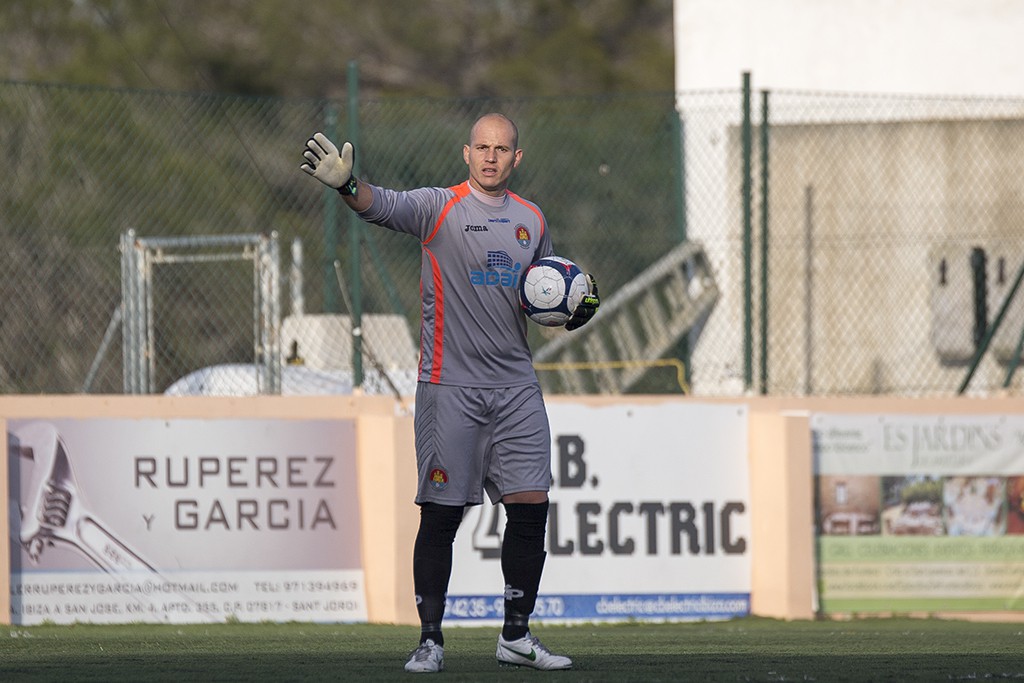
750,649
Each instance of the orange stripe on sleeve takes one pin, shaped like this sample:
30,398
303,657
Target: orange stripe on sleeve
460,192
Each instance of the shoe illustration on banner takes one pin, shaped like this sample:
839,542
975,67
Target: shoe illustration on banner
54,511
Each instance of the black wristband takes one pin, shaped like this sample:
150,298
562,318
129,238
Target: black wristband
349,188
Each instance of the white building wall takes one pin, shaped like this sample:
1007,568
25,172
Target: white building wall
912,47
933,47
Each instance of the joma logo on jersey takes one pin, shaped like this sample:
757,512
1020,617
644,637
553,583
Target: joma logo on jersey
476,228
501,271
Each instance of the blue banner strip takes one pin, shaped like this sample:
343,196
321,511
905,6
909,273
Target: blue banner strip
606,606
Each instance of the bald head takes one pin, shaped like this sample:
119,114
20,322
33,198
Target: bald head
492,119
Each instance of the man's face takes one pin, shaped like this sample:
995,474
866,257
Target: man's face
491,155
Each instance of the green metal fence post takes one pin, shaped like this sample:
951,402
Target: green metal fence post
331,221
355,233
991,330
1014,361
679,130
746,142
764,242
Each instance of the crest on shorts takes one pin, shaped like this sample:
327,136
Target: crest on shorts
438,479
522,236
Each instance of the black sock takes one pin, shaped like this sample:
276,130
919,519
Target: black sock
432,565
522,562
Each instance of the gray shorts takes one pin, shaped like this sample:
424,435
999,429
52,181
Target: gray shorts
470,439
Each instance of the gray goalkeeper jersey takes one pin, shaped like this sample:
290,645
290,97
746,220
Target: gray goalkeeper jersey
473,330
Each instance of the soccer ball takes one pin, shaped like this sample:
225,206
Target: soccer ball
551,289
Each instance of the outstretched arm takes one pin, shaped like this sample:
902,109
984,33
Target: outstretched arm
334,169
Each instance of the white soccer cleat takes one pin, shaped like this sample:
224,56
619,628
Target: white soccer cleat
426,659
529,651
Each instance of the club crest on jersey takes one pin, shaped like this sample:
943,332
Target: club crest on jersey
438,479
523,236
501,271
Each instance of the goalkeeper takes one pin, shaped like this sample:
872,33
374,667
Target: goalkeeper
480,424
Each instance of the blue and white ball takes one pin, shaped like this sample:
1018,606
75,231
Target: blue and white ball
551,289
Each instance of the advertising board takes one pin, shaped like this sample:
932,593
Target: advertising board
919,512
649,519
184,520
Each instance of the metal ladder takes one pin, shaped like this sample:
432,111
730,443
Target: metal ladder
634,327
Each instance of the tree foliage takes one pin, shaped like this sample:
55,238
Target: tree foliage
462,48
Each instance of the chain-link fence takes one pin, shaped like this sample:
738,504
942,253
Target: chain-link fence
875,206
863,244
890,223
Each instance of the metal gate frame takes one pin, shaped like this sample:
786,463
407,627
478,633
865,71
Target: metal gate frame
140,255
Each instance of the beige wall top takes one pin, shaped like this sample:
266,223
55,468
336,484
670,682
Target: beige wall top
304,407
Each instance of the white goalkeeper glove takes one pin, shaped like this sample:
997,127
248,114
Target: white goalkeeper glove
324,163
586,308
